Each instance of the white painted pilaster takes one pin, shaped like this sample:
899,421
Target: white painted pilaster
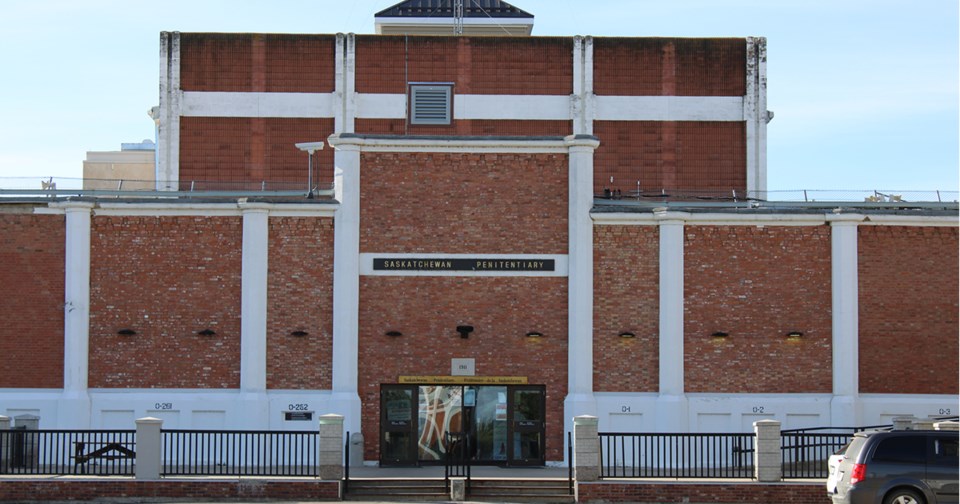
253,298
349,84
671,403
168,122
253,314
346,283
582,102
580,399
756,117
74,405
844,407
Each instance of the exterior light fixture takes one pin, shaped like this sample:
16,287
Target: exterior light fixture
394,334
794,335
720,334
627,335
126,332
207,332
534,334
299,333
464,330
310,148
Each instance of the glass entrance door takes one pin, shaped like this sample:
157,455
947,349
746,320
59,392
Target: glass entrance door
504,424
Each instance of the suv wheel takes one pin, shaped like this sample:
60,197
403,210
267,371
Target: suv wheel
903,496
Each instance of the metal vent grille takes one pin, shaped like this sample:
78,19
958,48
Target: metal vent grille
430,104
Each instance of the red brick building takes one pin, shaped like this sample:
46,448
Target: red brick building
519,230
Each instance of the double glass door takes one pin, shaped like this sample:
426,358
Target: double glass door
504,423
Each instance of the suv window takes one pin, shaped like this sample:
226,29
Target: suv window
908,449
945,451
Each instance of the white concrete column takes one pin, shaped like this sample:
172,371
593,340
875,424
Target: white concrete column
74,406
671,403
586,452
346,282
148,451
331,447
345,92
171,106
844,406
582,102
253,297
756,116
253,315
580,399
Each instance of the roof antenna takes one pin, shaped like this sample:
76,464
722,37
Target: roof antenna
458,17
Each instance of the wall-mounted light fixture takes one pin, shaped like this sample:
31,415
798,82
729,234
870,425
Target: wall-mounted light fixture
534,334
464,330
299,333
207,332
794,335
310,148
720,334
126,332
627,335
394,334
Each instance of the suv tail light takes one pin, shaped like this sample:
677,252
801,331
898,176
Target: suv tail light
858,474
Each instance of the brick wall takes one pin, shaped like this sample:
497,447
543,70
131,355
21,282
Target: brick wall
31,335
908,310
669,66
243,62
463,203
687,158
300,298
626,298
166,278
757,283
124,489
252,150
702,493
427,311
478,65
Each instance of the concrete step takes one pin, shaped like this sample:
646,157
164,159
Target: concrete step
496,490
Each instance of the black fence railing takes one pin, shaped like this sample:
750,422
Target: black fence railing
806,451
239,453
675,455
57,452
457,461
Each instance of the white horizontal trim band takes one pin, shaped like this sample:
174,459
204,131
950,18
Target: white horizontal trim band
289,105
465,106
668,108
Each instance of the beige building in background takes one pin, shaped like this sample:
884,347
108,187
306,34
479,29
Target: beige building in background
132,168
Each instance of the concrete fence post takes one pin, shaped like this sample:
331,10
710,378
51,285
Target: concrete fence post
4,443
149,459
768,455
952,425
923,424
903,423
27,453
331,447
586,449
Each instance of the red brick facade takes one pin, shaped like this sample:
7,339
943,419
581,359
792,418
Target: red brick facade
300,298
244,62
167,278
626,299
757,283
463,203
908,310
31,335
246,152
427,311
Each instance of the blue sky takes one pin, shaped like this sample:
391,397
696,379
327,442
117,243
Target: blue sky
865,92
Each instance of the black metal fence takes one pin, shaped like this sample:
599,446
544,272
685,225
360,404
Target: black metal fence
675,455
239,453
55,452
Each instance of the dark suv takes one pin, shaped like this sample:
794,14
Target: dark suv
897,467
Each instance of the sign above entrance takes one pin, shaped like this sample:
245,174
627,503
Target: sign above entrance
464,380
455,264
463,265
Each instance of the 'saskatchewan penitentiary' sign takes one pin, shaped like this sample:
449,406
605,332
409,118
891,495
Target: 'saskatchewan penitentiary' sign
462,264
